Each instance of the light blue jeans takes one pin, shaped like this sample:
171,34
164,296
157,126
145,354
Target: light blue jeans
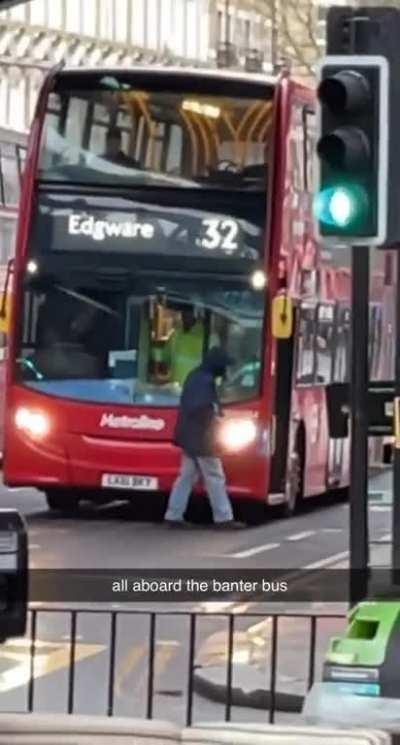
213,476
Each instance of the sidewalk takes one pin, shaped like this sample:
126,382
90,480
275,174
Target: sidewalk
252,648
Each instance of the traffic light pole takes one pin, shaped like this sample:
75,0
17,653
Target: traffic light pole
359,383
358,491
357,205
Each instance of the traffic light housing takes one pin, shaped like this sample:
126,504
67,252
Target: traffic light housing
352,149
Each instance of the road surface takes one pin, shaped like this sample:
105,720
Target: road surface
116,537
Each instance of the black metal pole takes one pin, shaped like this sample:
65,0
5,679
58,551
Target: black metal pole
359,425
396,452
360,30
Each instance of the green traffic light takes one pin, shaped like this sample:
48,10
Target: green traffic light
341,206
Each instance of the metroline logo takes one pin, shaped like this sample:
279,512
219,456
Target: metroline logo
98,230
129,422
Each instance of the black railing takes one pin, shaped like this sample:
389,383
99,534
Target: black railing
273,700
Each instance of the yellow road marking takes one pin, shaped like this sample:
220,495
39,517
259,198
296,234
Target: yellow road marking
164,652
49,657
135,654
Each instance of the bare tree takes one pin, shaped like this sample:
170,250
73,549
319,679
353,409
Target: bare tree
297,31
293,25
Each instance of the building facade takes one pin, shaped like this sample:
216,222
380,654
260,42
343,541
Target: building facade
38,34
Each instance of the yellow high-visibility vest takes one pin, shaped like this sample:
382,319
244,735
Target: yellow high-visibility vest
186,350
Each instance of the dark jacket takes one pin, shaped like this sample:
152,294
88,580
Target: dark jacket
199,406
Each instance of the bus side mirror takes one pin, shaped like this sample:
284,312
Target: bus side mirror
282,317
5,313
5,302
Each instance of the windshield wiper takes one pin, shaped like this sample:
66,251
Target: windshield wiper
111,182
86,299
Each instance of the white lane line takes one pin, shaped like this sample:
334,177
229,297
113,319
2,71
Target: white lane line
67,637
332,530
34,546
300,536
382,495
380,508
255,550
385,538
327,561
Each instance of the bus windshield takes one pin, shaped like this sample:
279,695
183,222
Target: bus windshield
108,129
137,278
137,346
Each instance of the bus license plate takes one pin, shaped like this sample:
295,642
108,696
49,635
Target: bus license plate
129,481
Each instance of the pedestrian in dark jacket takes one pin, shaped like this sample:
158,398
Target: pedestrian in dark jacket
195,434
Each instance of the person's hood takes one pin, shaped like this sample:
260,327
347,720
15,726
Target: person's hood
216,361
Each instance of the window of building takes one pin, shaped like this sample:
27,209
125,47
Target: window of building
106,19
21,158
247,33
19,12
10,177
38,11
192,31
7,238
55,13
74,16
166,22
88,18
17,104
153,23
178,30
138,23
219,26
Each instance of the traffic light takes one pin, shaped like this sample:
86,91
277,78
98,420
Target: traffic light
351,199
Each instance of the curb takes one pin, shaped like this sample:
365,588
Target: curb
209,683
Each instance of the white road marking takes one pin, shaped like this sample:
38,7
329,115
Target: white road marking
332,530
67,637
327,561
381,495
215,608
34,546
300,536
232,606
380,508
384,538
255,550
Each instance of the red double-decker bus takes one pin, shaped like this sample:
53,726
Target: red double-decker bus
165,211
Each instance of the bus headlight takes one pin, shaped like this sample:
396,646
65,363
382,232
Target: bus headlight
34,423
236,434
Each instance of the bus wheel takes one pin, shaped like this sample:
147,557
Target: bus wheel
294,479
62,501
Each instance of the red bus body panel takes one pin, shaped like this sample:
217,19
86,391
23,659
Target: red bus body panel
78,451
